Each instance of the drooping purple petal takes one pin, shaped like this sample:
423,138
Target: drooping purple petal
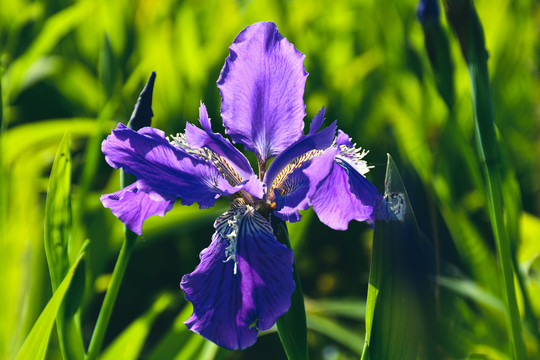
313,141
343,196
218,144
262,91
136,203
165,168
243,283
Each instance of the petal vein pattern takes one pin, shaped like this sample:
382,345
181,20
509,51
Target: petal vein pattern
164,167
243,283
262,91
136,203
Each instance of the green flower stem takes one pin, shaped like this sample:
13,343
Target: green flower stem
110,297
102,323
292,327
504,251
464,19
142,116
69,336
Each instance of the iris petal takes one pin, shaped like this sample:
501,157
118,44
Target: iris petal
243,283
301,185
135,203
293,198
343,196
217,143
163,167
313,141
262,91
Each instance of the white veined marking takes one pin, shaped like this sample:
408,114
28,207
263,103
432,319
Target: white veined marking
354,156
228,227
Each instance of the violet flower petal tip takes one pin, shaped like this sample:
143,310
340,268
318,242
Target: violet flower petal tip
345,195
135,203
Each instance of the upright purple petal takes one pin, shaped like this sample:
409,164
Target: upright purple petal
262,91
317,122
165,169
254,187
218,144
243,283
135,203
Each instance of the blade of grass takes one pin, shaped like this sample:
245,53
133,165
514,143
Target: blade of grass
398,304
335,331
175,338
17,140
129,344
466,24
35,345
58,214
56,239
349,308
54,29
142,116
291,326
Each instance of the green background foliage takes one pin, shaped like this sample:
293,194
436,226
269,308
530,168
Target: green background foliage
78,66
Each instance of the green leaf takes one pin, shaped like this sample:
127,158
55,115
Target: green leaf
190,348
129,344
35,345
54,29
292,328
58,214
56,238
33,136
471,290
174,340
349,308
466,23
107,67
398,304
335,331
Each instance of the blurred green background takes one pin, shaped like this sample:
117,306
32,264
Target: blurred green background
79,66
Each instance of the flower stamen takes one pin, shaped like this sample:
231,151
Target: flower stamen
354,156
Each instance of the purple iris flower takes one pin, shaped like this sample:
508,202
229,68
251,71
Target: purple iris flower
244,281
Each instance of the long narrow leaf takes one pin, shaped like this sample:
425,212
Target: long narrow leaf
129,344
396,305
335,331
57,235
35,345
58,214
292,328
174,339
